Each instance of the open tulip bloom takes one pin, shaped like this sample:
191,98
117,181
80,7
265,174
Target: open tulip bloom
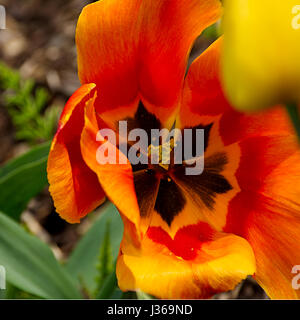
185,235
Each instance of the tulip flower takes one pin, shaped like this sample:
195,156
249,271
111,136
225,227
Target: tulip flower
185,236
261,62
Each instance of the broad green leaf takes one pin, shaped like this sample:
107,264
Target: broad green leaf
12,293
83,261
23,178
30,264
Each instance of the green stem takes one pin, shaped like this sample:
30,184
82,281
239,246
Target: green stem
292,109
109,286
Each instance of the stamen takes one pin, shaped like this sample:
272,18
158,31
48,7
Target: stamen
162,153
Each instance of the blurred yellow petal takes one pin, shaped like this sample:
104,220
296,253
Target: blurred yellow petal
261,64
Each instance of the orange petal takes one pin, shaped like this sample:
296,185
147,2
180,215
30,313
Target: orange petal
116,179
260,156
272,230
139,50
267,211
204,101
73,186
203,96
235,126
197,263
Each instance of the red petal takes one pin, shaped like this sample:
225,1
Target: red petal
74,187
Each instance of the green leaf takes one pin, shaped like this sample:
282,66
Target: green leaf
84,259
105,265
144,296
109,290
26,103
30,264
23,178
12,293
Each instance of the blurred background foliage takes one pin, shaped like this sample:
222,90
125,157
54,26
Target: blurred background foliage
44,256
26,104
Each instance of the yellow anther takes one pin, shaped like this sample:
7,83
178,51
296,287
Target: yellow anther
162,153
